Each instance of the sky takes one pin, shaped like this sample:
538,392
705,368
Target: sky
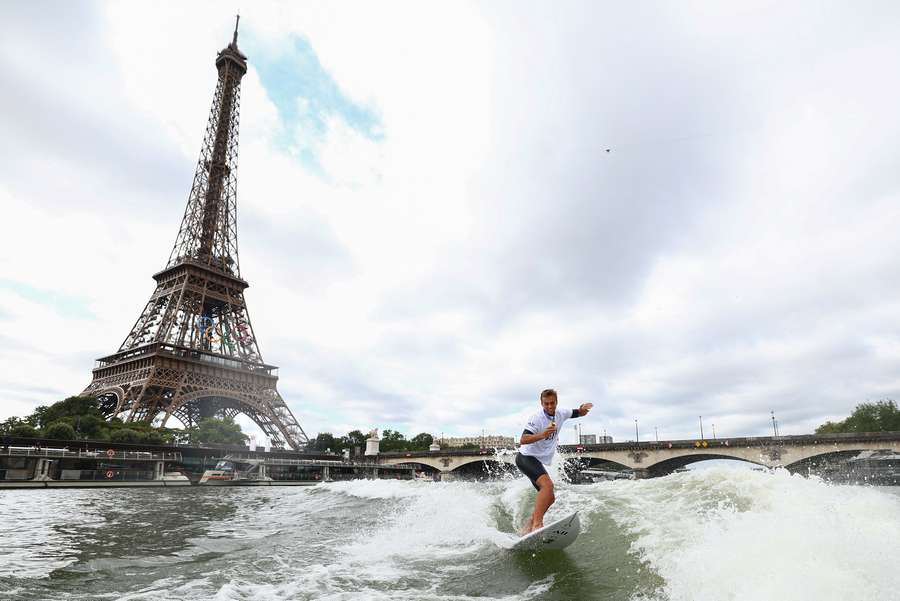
671,210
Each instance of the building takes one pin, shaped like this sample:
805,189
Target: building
595,439
485,441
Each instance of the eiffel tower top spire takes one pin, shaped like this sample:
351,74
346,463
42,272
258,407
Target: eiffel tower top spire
208,232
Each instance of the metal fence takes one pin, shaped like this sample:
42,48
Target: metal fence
88,454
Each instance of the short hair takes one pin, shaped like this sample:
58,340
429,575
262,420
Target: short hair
545,394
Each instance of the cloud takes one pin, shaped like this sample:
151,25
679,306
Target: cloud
443,210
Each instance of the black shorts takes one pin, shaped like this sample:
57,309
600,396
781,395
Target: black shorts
531,467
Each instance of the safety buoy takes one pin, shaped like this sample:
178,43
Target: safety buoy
110,453
109,473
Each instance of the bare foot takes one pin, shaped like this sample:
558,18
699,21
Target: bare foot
530,528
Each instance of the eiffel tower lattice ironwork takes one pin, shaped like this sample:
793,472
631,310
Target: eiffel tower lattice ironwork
192,352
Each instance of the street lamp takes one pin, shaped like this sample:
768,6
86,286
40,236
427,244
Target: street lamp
636,437
701,427
656,431
714,431
774,423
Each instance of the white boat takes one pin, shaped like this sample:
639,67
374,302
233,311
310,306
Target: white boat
176,477
233,472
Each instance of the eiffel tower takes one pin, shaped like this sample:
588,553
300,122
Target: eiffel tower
192,353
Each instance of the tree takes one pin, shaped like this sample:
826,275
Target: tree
36,419
59,431
154,437
90,426
882,416
7,425
421,442
126,435
354,438
393,441
24,431
74,406
326,441
212,430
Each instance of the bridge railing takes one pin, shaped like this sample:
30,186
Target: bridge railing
64,453
750,441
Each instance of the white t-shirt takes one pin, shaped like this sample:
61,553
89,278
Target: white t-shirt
544,449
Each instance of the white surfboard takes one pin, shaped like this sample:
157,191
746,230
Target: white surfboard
558,535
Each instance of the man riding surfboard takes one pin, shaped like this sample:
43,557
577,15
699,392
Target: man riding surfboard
537,448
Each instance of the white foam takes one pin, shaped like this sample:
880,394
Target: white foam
433,520
430,532
724,534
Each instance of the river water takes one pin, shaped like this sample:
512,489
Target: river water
717,534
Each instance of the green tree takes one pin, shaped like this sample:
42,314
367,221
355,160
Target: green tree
126,435
36,418
421,442
72,407
154,437
354,438
90,426
24,431
882,416
326,441
213,430
393,441
7,425
60,430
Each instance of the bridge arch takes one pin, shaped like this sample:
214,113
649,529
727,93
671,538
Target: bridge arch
665,467
593,462
422,462
479,459
810,461
422,466
192,407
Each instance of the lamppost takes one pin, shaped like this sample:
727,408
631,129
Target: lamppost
636,437
774,423
656,431
714,431
701,427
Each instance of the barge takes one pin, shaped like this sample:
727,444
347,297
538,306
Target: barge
61,467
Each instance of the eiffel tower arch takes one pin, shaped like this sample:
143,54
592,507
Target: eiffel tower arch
192,352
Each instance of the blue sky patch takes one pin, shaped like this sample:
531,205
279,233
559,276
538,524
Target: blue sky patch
306,96
66,306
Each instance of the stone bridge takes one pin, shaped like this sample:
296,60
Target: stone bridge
650,459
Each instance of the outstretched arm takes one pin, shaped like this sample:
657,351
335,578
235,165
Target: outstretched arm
583,410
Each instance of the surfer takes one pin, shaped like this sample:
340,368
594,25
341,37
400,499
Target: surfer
537,447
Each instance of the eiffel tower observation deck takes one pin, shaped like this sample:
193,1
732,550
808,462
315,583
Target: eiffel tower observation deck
192,352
